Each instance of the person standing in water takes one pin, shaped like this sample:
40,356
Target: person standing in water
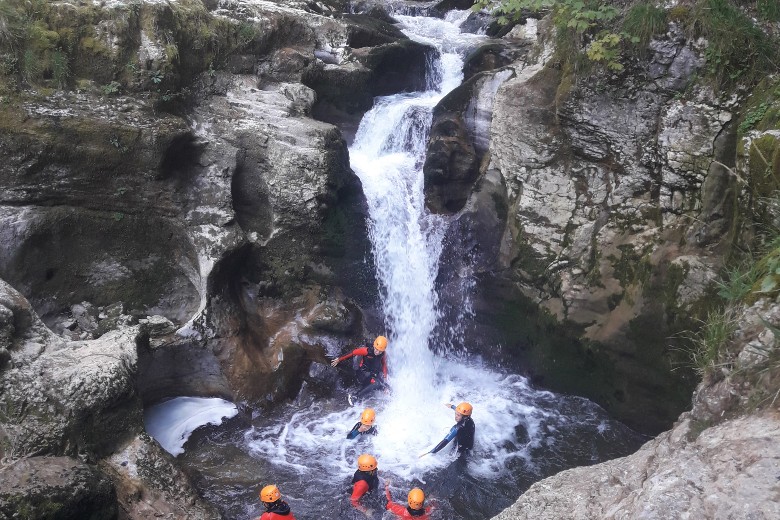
462,432
372,372
365,426
275,507
364,481
416,507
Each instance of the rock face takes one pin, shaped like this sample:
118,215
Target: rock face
170,207
80,399
717,461
195,185
619,206
729,471
55,487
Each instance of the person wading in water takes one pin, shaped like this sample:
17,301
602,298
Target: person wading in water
365,426
416,507
275,507
364,481
462,432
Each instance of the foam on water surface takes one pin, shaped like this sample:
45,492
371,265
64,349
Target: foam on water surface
171,422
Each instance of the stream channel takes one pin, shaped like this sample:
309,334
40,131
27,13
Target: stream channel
523,434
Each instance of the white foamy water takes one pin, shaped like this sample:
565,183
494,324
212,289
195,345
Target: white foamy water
171,422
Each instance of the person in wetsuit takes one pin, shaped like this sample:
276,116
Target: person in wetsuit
364,480
416,507
275,507
372,372
365,426
462,432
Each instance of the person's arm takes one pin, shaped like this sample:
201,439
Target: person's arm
396,508
362,351
446,440
353,433
384,366
358,490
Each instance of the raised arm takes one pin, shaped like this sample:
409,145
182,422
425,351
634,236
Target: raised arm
362,351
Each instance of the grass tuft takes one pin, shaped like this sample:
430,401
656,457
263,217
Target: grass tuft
644,20
737,49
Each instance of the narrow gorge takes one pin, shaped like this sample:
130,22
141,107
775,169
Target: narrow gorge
563,212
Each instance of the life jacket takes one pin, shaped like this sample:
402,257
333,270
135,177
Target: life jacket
465,437
372,362
371,480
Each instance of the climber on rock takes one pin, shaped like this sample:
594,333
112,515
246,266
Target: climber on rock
372,371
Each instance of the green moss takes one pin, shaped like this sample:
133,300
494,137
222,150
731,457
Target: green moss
764,172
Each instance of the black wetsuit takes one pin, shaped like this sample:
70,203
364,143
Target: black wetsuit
463,433
354,433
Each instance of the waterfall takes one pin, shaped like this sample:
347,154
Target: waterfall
522,433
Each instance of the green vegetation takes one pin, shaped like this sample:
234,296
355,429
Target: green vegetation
709,343
644,20
737,49
755,275
84,45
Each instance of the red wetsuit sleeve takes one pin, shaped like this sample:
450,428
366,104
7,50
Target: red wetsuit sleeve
358,490
398,509
363,351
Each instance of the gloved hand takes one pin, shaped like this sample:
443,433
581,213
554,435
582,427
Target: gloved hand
334,362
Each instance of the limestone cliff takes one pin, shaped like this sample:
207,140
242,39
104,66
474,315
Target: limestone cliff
595,222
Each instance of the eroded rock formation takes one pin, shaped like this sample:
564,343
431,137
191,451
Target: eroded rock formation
616,203
717,462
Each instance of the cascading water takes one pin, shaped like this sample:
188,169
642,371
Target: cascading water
522,434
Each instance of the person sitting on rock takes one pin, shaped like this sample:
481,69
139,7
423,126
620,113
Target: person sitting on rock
364,480
275,507
372,372
416,507
365,426
462,432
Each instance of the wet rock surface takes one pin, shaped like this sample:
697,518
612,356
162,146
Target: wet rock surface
617,220
55,487
719,460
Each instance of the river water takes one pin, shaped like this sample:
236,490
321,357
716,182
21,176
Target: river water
522,434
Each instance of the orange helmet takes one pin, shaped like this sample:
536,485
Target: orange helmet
366,462
464,409
416,498
368,416
380,343
270,494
